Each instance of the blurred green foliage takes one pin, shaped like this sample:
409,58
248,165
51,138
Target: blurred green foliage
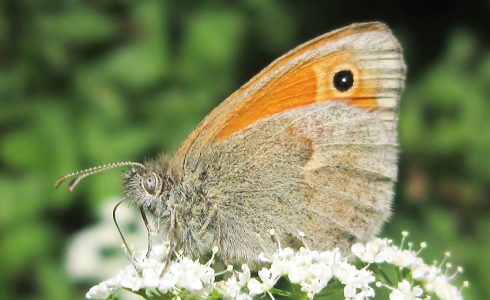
88,82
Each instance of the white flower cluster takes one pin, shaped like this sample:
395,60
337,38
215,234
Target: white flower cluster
146,274
311,270
434,279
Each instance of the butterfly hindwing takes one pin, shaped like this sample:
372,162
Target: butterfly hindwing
326,169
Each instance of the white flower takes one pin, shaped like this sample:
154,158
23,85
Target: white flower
357,282
269,277
318,277
420,269
297,268
244,297
371,252
100,291
167,282
130,279
443,289
405,291
192,275
401,258
244,278
330,258
230,288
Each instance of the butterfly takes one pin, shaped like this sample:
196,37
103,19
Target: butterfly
307,145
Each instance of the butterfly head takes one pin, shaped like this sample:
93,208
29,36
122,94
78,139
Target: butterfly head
144,184
149,185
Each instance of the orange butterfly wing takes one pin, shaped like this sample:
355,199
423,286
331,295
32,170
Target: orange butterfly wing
304,76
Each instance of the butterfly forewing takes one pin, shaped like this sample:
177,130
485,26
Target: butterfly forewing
304,76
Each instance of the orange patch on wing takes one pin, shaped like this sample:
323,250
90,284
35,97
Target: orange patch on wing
296,87
305,84
280,94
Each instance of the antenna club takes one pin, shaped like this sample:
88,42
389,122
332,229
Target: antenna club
59,181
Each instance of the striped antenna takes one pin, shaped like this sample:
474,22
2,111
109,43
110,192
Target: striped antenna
79,175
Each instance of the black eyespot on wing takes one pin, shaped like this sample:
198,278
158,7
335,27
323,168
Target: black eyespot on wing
343,80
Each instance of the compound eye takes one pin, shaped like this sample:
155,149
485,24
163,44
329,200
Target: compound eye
150,183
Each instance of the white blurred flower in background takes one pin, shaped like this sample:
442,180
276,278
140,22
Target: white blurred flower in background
96,252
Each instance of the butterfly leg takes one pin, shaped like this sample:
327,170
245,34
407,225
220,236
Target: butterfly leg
149,231
211,215
219,243
171,245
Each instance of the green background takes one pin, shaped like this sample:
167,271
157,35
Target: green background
83,83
